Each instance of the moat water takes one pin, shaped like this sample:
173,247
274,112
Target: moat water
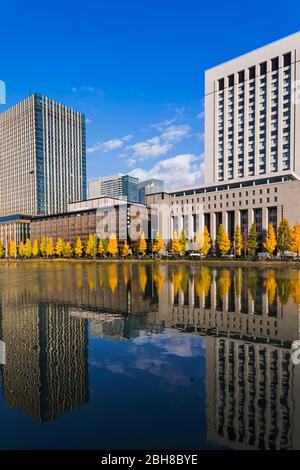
148,356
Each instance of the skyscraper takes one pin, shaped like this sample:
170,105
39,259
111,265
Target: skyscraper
150,186
42,157
118,186
250,116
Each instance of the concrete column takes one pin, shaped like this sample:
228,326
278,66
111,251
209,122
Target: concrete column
250,218
225,220
265,218
237,218
213,290
213,234
190,233
180,223
191,293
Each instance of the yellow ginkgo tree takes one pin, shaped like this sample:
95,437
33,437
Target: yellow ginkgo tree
159,245
295,242
142,245
21,249
35,248
112,247
12,249
270,242
59,247
176,245
223,241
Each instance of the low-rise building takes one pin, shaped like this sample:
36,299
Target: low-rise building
261,200
102,216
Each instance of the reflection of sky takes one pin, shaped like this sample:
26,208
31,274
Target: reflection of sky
161,355
156,383
144,393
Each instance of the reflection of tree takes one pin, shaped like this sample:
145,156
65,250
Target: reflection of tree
78,270
112,276
142,277
223,282
126,273
284,290
270,285
184,281
202,281
238,281
176,280
158,278
252,285
296,289
91,277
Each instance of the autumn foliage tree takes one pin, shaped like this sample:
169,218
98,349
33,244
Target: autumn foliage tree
21,249
223,241
91,245
12,249
126,251
35,248
199,240
270,242
59,247
1,249
142,245
67,250
238,241
252,243
295,241
43,246
78,247
112,247
159,245
206,242
284,236
183,242
50,247
28,249
176,245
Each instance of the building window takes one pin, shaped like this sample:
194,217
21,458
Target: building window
241,75
275,64
221,84
263,68
287,59
231,80
252,73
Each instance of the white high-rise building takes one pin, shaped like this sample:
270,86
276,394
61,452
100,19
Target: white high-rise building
251,116
117,186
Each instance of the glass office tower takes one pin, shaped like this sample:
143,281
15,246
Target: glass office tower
42,157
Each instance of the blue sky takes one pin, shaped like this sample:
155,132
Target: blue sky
136,69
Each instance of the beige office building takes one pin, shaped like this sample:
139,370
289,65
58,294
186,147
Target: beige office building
252,149
250,114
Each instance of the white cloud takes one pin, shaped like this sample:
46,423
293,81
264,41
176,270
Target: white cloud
175,133
149,149
181,170
87,88
109,145
160,144
159,126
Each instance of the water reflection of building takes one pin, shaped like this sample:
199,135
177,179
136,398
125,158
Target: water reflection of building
46,371
118,326
252,386
253,392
